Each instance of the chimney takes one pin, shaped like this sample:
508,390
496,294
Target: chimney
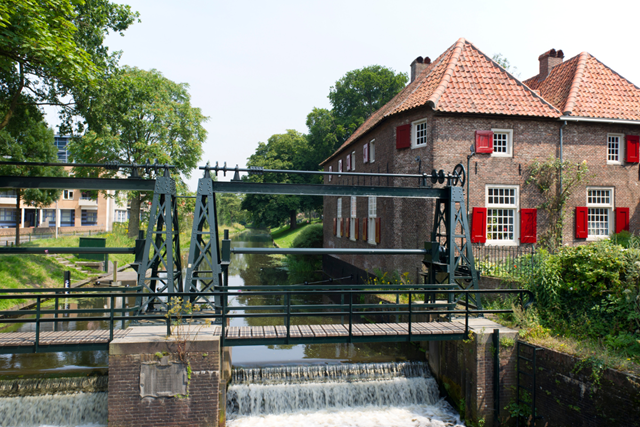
548,60
418,65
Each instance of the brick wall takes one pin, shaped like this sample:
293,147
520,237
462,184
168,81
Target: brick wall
407,223
465,372
127,408
571,394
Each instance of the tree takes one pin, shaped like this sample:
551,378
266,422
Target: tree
48,48
278,153
229,209
504,63
360,93
136,115
27,138
324,137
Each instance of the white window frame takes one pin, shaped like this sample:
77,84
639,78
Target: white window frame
591,207
372,151
353,161
503,206
67,195
352,221
330,170
414,134
509,133
339,217
621,145
372,214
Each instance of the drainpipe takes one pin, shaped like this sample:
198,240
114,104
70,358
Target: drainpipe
561,146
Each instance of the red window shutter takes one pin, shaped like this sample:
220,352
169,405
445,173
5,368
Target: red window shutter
479,225
347,228
633,148
364,228
403,136
484,141
348,162
378,229
622,219
365,153
335,226
582,225
340,165
528,225
357,228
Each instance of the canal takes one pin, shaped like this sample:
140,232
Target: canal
364,384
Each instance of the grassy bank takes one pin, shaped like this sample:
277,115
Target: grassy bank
284,236
234,228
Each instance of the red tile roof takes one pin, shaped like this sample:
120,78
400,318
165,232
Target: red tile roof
584,87
462,80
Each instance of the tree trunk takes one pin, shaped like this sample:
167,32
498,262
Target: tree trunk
292,220
134,217
18,216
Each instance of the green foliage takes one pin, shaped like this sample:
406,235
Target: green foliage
229,210
556,180
310,237
357,95
137,115
504,63
49,48
303,267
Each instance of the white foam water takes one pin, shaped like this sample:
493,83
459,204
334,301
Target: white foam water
363,395
77,409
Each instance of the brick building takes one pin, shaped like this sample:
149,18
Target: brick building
577,110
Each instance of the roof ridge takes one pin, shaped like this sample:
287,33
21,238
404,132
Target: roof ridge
575,84
446,78
420,79
520,82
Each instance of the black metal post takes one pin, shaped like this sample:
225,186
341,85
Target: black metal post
288,315
111,309
496,377
37,343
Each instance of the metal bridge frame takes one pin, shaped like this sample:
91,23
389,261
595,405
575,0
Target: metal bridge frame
448,256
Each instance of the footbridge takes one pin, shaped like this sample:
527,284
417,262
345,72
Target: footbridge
201,292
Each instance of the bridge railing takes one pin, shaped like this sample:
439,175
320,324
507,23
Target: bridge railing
284,306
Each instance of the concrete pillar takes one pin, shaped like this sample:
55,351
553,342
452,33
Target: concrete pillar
153,383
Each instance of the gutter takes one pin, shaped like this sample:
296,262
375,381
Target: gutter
595,120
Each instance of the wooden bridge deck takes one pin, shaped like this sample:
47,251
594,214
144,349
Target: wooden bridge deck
24,342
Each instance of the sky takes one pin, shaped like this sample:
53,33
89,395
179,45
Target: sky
257,68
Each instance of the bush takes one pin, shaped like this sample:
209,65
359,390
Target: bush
304,267
310,237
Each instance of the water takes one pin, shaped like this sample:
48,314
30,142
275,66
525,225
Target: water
376,394
364,384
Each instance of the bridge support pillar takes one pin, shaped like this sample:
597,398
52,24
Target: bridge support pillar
465,371
160,381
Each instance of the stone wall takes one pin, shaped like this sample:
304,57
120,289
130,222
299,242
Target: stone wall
146,345
572,393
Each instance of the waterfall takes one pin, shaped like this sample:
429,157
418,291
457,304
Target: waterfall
370,394
77,409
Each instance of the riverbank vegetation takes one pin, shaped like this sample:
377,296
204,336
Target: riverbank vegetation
587,301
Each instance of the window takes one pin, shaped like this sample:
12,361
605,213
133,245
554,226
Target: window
371,226
67,217
8,217
614,148
89,217
352,222
67,195
419,133
339,166
86,195
502,143
49,215
372,151
339,217
61,144
122,215
10,194
600,206
353,160
330,170
502,205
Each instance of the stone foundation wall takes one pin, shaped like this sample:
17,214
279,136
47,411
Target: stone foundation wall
199,407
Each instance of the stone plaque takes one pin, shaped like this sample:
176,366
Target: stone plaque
163,379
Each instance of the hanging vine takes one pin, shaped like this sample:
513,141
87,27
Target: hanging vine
546,176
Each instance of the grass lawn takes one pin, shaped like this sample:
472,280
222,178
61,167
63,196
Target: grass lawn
284,237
